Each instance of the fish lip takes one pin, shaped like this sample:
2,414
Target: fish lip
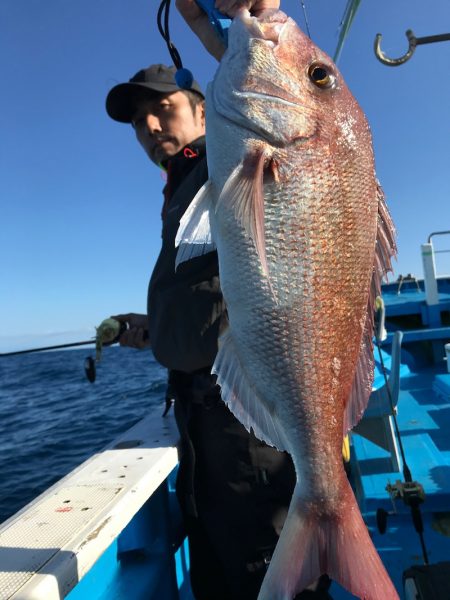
254,24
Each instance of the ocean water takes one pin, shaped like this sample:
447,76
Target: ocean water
52,418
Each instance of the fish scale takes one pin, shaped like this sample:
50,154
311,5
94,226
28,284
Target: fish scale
303,238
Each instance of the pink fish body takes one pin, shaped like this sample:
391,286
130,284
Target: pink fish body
303,238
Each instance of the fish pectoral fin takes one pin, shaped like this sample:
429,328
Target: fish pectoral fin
385,249
194,233
244,194
241,396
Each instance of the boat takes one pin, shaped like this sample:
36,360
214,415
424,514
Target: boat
112,528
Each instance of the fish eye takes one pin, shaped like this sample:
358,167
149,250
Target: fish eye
321,76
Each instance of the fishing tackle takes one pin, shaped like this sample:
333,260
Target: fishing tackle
413,42
108,333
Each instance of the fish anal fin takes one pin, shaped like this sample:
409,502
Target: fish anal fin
194,233
244,194
385,250
241,397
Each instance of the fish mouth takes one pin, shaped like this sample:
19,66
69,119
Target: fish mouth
268,26
245,90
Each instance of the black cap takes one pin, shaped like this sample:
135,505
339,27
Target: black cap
123,100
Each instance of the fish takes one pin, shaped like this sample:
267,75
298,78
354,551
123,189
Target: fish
304,237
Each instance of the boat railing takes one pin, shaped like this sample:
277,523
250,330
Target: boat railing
112,521
429,267
431,279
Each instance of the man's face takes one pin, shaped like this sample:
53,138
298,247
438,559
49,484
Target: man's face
165,123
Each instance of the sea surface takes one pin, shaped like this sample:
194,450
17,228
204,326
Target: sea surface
52,418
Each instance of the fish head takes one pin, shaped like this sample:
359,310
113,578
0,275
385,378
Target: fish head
274,81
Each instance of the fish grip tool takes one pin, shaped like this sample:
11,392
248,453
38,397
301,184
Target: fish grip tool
219,21
410,491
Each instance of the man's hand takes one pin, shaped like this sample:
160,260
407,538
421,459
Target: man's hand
231,7
136,335
199,23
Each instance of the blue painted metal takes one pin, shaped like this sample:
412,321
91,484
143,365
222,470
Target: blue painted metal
424,423
149,560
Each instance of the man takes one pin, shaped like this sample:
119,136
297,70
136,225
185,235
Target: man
234,490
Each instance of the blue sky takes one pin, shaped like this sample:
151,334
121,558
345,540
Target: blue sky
80,202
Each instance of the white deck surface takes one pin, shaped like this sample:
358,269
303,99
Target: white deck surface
49,545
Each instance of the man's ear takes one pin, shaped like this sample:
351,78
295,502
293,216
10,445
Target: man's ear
202,112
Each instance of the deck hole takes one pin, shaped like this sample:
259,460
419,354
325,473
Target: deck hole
85,508
66,501
139,458
121,476
104,471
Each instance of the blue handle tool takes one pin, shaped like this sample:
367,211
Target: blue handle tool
219,21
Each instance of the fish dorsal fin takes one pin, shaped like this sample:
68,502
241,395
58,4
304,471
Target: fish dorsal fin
385,249
241,397
244,194
194,233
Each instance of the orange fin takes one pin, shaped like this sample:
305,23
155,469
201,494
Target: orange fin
337,544
244,193
385,249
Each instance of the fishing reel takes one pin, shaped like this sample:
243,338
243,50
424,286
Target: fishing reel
412,494
107,333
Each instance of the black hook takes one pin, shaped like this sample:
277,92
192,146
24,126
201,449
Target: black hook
413,42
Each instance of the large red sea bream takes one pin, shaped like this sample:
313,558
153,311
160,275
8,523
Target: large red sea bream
303,238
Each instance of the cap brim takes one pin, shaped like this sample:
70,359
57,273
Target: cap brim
123,100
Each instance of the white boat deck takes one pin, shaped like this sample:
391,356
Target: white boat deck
47,547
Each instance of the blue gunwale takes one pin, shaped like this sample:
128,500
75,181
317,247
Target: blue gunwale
423,413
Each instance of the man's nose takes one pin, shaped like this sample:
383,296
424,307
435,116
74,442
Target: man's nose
153,124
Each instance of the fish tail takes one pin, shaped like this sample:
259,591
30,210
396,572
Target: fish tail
312,544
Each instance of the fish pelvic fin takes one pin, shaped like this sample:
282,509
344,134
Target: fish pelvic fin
385,250
313,543
194,236
241,396
244,194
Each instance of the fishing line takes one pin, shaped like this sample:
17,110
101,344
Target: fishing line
306,18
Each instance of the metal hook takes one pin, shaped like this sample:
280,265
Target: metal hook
413,42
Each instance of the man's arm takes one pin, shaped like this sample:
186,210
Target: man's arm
199,23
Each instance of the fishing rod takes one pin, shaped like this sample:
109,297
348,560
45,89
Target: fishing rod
57,347
107,334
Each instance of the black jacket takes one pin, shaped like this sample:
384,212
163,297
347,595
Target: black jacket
184,307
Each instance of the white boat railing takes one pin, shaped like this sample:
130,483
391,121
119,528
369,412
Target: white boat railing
50,545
